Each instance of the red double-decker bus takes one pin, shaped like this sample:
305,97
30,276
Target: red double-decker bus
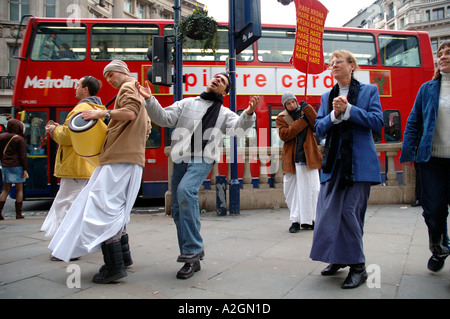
397,61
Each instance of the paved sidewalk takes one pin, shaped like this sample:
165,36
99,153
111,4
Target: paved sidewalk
247,256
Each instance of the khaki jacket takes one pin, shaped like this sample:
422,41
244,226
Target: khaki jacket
68,164
288,130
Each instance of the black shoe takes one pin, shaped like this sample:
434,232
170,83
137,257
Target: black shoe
190,258
295,227
114,267
331,269
308,226
188,270
436,263
356,276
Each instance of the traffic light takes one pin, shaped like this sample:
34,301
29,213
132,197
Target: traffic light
160,53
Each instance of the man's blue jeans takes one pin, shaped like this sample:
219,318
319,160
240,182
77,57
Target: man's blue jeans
187,178
435,180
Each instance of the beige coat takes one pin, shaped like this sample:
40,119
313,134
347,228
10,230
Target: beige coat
125,140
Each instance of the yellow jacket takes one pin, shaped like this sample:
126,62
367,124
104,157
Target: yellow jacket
68,164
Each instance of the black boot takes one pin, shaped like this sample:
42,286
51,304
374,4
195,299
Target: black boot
114,267
19,210
331,269
356,276
126,251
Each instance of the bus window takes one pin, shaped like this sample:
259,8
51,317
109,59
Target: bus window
154,139
193,51
274,136
122,42
275,45
392,129
361,45
59,42
396,50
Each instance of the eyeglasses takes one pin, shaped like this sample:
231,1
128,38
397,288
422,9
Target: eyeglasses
337,62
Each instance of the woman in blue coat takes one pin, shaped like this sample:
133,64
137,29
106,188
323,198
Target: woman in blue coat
347,116
426,141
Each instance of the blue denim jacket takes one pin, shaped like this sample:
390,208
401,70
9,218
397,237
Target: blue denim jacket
421,123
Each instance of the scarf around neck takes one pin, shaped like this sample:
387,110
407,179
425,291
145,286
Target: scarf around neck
209,119
339,140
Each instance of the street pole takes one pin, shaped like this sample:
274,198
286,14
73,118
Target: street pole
178,78
234,182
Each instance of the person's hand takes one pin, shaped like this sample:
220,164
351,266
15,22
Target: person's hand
252,105
49,128
145,91
339,105
93,114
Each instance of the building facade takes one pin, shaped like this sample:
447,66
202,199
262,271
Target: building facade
432,16
11,12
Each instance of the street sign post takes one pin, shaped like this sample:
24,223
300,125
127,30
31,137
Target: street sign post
244,28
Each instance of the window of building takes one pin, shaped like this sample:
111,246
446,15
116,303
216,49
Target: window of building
434,44
49,8
438,14
399,50
58,41
12,63
123,42
427,15
18,8
128,6
140,10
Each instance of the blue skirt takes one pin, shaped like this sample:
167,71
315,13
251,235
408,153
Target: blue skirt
13,174
338,230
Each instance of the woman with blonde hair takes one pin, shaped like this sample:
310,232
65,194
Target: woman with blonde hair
347,116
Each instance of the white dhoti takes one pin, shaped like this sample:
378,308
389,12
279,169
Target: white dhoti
100,211
69,189
301,191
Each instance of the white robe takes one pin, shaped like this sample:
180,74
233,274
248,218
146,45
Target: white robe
69,189
302,191
100,211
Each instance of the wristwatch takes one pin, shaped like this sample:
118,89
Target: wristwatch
108,115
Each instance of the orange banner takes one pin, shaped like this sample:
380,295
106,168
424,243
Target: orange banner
308,51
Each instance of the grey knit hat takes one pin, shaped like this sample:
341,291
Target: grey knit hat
286,97
116,66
